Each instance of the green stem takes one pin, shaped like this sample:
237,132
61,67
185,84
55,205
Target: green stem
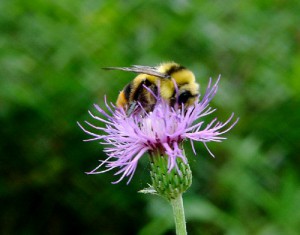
178,212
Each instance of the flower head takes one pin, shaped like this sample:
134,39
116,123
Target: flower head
162,130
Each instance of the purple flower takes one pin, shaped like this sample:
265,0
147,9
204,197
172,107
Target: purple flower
164,129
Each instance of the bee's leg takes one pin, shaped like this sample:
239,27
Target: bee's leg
132,106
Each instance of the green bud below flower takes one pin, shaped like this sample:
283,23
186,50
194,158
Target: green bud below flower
169,184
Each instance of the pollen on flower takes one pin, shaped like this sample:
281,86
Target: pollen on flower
128,138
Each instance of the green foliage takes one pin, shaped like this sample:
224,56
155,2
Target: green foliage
51,54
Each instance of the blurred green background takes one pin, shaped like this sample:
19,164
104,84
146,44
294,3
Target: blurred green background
51,54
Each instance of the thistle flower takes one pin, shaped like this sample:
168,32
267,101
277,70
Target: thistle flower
161,131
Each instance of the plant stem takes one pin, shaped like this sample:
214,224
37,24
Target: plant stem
178,212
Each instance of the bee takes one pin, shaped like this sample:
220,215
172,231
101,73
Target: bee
151,80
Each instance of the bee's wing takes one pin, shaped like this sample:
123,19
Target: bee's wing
141,69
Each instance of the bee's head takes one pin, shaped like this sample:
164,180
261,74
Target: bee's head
187,90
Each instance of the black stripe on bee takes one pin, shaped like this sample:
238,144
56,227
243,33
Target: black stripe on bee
141,94
127,90
138,93
151,86
174,69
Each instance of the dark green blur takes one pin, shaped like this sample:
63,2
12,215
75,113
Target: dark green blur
51,54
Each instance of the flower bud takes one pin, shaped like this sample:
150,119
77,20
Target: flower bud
169,183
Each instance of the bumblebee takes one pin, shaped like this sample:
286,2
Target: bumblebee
151,80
